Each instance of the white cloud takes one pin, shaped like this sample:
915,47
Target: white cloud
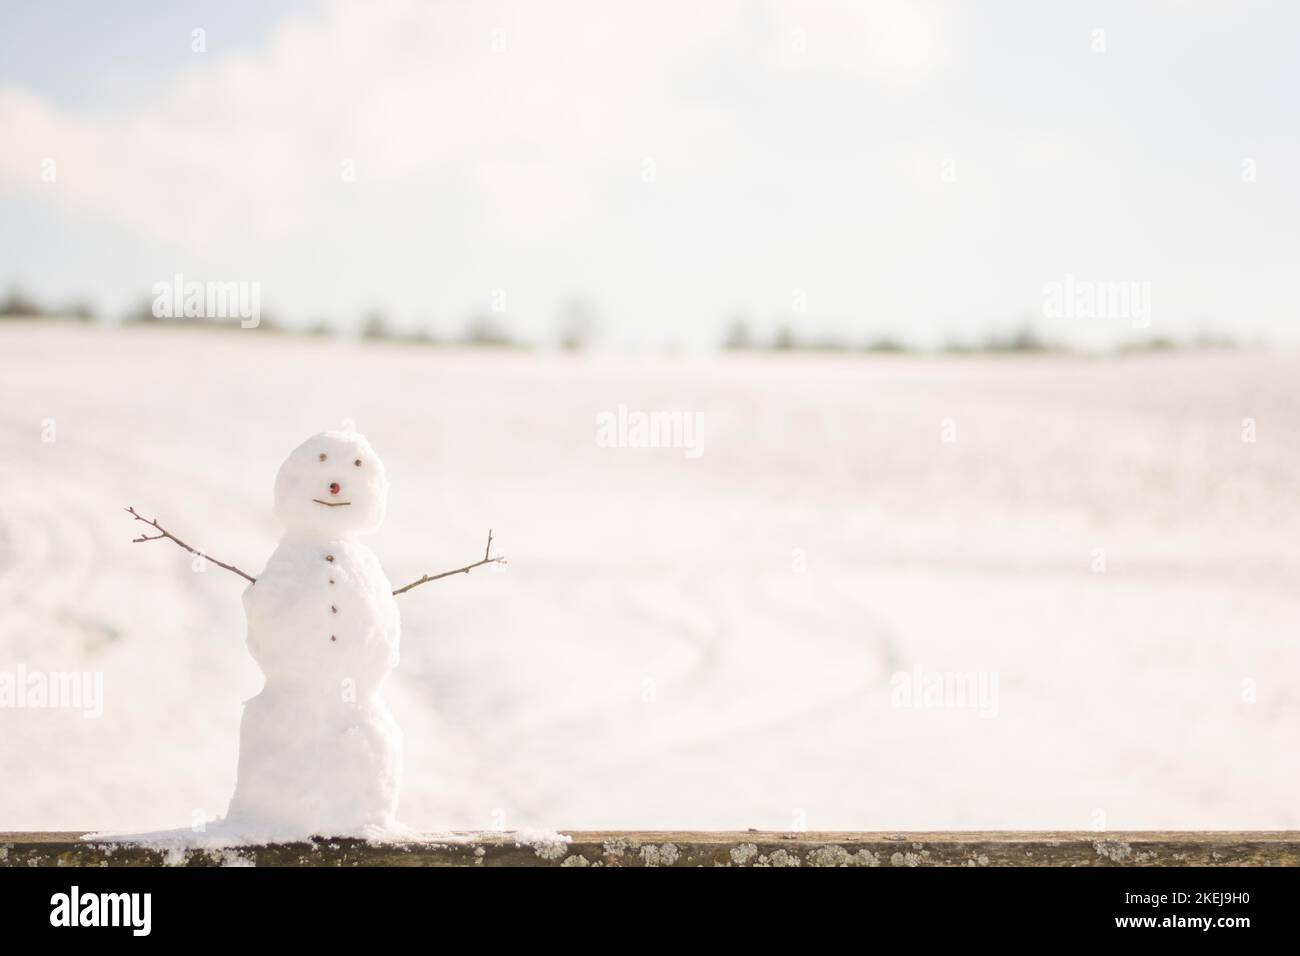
519,103
890,40
413,93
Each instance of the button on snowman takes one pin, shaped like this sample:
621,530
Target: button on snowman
319,751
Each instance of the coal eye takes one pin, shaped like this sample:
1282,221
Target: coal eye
357,463
322,456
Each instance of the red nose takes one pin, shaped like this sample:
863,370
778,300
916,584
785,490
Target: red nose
334,487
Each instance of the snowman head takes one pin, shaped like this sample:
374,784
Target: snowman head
332,486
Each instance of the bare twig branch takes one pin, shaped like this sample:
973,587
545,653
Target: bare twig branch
487,559
164,533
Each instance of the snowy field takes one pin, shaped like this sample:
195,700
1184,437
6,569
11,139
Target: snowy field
694,642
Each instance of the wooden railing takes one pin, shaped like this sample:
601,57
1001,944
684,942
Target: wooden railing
666,848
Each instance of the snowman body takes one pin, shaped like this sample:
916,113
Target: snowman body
319,751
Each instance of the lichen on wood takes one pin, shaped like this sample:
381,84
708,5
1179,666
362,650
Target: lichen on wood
590,849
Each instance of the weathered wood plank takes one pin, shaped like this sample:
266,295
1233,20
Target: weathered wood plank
669,848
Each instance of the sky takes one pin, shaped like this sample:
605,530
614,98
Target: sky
926,171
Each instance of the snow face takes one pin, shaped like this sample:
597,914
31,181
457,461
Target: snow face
331,487
319,752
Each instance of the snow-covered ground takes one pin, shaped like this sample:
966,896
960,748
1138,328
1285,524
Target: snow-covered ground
695,642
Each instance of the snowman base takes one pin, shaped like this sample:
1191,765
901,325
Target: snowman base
316,765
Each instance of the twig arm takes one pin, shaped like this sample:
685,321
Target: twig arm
487,559
164,533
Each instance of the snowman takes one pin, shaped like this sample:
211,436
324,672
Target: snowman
319,751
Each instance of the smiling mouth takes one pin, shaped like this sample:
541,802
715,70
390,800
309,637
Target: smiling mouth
331,504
